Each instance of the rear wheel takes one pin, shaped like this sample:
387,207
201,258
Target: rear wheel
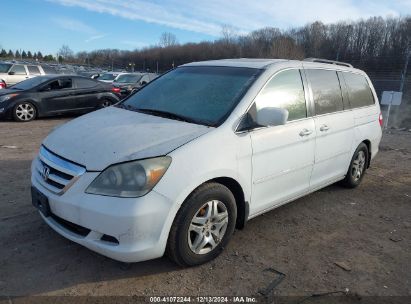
203,225
105,103
24,111
357,168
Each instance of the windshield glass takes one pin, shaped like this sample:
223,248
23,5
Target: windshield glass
128,78
204,94
28,83
4,67
107,76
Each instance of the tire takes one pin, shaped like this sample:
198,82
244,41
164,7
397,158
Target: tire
105,103
358,166
192,240
24,112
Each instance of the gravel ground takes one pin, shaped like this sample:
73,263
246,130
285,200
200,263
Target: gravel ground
336,239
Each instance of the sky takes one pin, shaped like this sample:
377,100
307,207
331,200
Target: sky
85,25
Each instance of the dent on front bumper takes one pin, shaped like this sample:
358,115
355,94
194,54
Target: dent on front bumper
140,225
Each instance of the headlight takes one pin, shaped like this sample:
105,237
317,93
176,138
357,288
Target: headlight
131,179
7,97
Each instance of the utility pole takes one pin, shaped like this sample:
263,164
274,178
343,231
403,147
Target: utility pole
157,67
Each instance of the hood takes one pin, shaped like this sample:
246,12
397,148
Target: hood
8,91
114,135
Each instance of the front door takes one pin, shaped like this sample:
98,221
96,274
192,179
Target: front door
57,96
283,156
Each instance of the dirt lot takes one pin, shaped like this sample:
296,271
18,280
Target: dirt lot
366,230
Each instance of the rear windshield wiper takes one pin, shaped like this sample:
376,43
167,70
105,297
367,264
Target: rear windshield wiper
166,114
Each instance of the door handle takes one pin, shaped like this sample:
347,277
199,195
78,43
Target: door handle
324,128
305,132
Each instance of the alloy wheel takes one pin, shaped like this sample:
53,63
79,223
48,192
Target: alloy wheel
106,103
25,112
207,227
358,166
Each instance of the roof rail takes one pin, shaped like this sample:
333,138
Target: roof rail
328,61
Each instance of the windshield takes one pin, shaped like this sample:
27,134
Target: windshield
4,67
29,83
128,78
107,76
203,94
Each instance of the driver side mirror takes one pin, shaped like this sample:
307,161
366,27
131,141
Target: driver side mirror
270,116
11,73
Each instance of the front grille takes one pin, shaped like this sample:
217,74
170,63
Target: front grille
55,173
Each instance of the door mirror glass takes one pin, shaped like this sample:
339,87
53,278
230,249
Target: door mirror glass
270,116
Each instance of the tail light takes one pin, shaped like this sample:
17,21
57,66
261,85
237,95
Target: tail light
115,90
2,85
380,120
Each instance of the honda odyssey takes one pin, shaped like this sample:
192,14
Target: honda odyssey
199,151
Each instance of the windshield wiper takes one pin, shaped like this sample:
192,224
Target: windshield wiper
170,115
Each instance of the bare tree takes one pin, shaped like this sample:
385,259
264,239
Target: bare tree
168,39
65,52
229,33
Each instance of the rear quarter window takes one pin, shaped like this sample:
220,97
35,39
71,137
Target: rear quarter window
359,91
84,83
33,70
48,69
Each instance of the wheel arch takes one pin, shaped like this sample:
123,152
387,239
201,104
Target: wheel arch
368,144
110,97
31,101
235,187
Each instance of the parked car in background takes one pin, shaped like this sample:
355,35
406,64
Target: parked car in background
12,73
108,77
54,95
196,153
124,84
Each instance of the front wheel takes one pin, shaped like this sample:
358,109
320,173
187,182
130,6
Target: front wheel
24,111
203,226
357,168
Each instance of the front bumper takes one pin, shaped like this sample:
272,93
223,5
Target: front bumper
140,225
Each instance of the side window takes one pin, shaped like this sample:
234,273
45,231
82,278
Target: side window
84,83
33,70
284,91
59,84
18,69
359,91
326,91
344,91
48,69
66,83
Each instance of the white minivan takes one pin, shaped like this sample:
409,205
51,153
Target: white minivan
197,152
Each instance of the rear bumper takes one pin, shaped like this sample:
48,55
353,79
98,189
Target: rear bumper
140,225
